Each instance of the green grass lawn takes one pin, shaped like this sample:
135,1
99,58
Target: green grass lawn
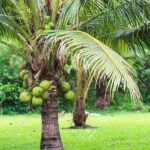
117,131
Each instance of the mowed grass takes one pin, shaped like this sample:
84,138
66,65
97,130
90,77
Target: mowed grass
117,131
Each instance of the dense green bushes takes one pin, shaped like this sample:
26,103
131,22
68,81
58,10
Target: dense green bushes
9,97
9,83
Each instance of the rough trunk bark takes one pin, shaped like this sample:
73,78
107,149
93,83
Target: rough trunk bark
102,96
50,139
79,116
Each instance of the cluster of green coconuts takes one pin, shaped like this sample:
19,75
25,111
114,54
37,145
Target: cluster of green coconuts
40,92
65,88
37,94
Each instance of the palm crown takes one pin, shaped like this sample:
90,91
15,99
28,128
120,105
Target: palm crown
46,42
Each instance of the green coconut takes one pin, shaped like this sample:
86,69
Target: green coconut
45,84
45,95
65,86
47,19
25,97
25,77
25,85
22,73
37,91
51,25
62,79
37,101
70,95
47,27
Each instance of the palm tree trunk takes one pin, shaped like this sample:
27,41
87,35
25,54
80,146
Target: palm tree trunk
79,116
50,139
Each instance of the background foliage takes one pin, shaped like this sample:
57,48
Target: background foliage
10,87
9,83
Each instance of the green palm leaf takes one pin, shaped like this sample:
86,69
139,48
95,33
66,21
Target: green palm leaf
135,38
74,9
5,27
97,59
16,48
110,17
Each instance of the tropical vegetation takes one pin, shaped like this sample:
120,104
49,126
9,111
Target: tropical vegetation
47,34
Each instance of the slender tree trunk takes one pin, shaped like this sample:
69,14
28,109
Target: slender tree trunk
102,96
79,116
50,139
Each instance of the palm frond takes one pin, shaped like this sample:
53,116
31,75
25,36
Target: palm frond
121,26
119,16
5,27
107,16
97,59
11,27
23,15
11,30
33,5
133,40
18,50
116,16
70,13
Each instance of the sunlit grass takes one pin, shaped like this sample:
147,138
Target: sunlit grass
117,131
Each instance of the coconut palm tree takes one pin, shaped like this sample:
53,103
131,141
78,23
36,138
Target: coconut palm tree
124,26
130,38
46,34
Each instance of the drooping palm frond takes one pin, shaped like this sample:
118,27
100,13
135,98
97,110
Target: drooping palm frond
97,59
5,27
134,39
15,48
116,15
15,23
29,14
10,30
121,14
10,27
122,18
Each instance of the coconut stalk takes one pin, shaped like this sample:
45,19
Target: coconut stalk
55,4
